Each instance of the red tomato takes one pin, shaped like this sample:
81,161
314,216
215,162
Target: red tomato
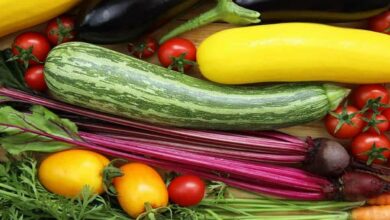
178,54
380,23
61,30
186,190
344,122
30,48
35,79
145,49
386,113
376,123
364,93
373,148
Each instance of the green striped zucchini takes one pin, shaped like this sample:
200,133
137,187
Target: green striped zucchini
104,80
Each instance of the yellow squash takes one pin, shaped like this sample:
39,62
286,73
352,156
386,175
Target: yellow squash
15,15
295,52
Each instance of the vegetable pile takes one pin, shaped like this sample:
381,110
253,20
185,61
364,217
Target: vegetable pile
87,132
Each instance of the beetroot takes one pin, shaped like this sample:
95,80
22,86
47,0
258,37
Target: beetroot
360,186
327,158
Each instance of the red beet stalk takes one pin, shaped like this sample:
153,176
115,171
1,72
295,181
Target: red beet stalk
280,143
285,183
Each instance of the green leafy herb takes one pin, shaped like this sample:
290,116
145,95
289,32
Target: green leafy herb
216,206
16,141
11,73
4,99
23,197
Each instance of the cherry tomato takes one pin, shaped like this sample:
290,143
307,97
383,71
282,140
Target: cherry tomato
30,48
186,190
345,122
386,113
376,123
362,94
380,23
178,54
145,49
61,30
372,148
66,173
140,184
35,79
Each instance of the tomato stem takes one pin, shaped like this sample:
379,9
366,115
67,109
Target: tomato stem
343,118
374,105
226,10
109,173
180,62
375,153
25,55
372,123
62,31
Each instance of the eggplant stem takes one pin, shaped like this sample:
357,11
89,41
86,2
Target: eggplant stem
226,10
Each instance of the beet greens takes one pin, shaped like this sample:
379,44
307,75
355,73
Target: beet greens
273,180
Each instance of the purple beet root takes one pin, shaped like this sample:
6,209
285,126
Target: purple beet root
327,158
359,186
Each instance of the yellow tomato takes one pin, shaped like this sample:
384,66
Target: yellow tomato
140,184
67,172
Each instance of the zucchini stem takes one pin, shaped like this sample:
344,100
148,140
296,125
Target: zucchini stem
335,94
226,10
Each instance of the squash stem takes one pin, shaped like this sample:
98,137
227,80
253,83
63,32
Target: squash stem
226,10
335,94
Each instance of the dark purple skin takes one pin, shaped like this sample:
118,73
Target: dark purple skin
327,158
119,21
360,186
310,10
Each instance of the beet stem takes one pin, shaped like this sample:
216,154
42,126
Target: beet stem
208,136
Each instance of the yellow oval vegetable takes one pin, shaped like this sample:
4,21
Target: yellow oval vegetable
140,184
292,52
67,172
21,14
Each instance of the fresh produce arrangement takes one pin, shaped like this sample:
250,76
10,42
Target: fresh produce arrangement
135,86
163,126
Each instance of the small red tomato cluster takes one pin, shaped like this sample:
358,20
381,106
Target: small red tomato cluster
365,121
177,53
31,49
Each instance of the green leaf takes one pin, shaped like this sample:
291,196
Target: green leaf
4,99
16,141
11,73
375,153
22,196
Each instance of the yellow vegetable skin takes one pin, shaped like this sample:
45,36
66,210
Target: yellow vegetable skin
140,184
295,52
17,15
67,172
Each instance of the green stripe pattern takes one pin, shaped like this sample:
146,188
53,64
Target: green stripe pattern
104,80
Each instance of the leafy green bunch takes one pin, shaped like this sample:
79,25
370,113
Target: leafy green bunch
23,197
